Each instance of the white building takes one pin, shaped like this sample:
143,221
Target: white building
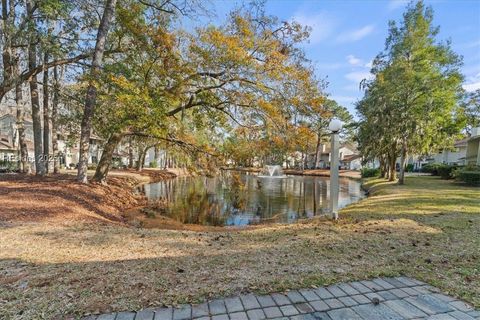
451,157
472,156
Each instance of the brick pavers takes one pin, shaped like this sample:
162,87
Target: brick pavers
382,298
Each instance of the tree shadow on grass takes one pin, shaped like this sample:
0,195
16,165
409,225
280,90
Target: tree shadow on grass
125,269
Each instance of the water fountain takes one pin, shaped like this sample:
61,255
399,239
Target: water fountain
272,171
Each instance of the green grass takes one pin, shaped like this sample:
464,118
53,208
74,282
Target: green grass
428,229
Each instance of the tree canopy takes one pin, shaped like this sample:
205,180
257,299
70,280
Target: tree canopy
412,104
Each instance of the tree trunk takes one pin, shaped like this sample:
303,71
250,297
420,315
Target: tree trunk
130,153
141,158
11,70
46,115
156,155
22,143
403,159
383,167
56,93
387,169
318,151
166,159
35,100
91,97
7,29
106,160
392,173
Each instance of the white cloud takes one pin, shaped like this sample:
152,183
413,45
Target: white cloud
321,23
358,76
344,100
395,4
473,83
471,86
354,61
369,64
354,87
355,35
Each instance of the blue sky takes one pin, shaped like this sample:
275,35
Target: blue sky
346,35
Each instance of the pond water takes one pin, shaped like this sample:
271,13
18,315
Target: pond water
239,199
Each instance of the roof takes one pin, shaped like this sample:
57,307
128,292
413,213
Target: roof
4,138
26,119
351,157
461,143
349,145
6,146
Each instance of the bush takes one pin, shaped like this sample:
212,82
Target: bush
92,166
368,172
409,167
8,166
445,171
431,168
153,164
469,177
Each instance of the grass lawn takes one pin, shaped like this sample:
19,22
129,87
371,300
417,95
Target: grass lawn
428,229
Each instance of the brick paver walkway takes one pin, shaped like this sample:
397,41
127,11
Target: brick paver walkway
378,299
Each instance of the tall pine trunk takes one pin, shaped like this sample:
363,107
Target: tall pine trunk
46,114
106,159
91,97
20,119
11,69
22,143
55,99
35,99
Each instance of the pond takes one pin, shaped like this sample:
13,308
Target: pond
240,199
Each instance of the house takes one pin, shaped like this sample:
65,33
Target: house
351,162
9,145
349,157
472,156
68,153
451,157
466,152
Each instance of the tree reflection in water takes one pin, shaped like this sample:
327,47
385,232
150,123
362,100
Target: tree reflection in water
241,199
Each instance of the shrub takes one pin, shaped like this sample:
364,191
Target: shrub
8,166
431,168
92,166
445,171
153,164
369,172
469,177
409,167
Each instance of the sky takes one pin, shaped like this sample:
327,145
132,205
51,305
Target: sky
347,34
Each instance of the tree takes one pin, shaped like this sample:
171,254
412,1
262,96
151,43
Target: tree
182,88
34,93
413,99
91,96
471,106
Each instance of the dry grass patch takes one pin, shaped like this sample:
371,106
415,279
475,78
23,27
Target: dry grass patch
51,270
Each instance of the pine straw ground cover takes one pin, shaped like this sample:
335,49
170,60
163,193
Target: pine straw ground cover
428,229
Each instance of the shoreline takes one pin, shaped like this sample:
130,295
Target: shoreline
400,230
351,174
